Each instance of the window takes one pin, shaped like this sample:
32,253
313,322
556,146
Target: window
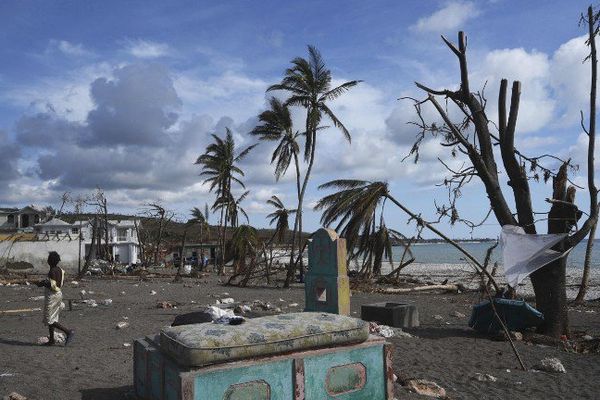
121,235
11,219
74,231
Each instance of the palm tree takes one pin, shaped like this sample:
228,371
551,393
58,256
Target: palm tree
243,244
354,205
199,218
280,216
219,166
234,209
309,83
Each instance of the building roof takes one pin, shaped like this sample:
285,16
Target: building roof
8,210
55,222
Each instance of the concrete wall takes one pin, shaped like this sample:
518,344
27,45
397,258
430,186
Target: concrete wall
36,254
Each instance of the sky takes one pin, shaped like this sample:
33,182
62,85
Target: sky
125,96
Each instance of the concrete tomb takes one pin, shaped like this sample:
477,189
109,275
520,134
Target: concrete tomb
326,284
398,315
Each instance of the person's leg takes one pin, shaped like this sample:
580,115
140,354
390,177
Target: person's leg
68,332
50,335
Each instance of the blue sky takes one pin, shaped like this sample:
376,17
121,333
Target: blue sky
125,95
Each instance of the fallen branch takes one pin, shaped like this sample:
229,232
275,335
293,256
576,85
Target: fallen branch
20,310
451,287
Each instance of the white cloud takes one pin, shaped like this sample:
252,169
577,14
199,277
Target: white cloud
450,17
570,78
68,48
146,49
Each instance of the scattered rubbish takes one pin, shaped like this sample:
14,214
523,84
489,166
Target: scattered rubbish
277,309
126,344
381,330
122,325
216,312
14,396
516,314
90,302
122,293
152,292
587,338
165,305
426,388
7,374
227,300
438,317
458,314
242,309
225,294
501,336
36,298
74,283
551,364
484,377
281,300
82,292
262,305
106,302
293,305
20,310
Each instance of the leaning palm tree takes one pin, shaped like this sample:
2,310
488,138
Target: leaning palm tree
243,247
219,166
353,207
281,218
309,85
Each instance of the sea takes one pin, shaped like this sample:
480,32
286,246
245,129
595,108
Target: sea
444,253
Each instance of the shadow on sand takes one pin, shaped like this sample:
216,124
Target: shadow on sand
116,393
444,332
13,342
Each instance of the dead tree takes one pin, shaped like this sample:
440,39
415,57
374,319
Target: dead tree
156,210
472,138
592,22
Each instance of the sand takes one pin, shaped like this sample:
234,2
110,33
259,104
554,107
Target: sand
99,366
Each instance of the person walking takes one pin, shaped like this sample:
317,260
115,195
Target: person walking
53,299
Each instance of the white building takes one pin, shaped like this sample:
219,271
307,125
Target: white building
122,237
20,219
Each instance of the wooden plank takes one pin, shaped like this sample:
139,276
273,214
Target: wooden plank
389,370
298,379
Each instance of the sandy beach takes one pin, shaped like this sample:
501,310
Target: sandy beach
99,363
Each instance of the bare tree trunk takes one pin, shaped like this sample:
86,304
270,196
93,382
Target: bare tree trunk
181,258
549,281
292,267
590,162
159,238
298,216
140,241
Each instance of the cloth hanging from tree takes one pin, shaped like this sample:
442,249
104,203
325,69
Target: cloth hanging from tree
525,253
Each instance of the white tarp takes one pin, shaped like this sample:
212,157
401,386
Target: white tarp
525,253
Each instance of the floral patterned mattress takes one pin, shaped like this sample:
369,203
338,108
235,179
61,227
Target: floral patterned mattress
208,343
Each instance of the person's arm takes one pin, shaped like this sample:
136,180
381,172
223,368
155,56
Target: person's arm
55,280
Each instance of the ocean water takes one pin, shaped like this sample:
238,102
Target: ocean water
444,253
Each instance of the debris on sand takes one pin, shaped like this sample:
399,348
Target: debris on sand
293,305
90,302
387,331
484,377
36,298
226,300
242,309
14,396
438,317
122,325
126,344
426,388
106,302
166,305
153,293
458,314
551,364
